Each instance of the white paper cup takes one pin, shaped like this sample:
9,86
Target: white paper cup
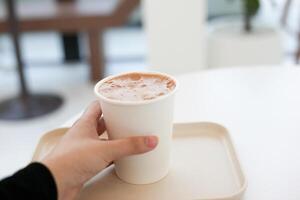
137,118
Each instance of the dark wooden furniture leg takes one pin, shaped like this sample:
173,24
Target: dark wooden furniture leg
298,50
14,32
70,42
96,58
25,105
284,17
285,13
70,47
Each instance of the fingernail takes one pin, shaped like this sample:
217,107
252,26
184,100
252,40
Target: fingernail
151,141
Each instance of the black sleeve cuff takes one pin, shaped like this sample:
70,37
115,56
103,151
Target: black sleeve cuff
33,182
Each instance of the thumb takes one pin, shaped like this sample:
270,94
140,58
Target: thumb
129,146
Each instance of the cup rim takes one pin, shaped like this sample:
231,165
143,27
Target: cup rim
121,102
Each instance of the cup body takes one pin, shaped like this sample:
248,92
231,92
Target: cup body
150,117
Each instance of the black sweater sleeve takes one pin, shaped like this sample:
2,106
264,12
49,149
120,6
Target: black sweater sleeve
34,182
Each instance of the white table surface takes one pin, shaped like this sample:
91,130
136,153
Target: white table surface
261,108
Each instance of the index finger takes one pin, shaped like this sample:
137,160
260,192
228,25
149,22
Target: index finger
92,113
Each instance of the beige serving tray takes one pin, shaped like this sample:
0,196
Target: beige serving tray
204,166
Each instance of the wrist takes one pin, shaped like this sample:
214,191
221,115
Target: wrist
58,176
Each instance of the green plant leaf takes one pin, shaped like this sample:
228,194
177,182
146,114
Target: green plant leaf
251,7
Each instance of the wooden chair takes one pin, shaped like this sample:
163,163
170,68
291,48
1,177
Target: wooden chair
90,16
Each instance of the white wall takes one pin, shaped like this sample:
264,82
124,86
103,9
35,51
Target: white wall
175,33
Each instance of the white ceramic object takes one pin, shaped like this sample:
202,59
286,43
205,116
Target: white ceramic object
175,32
204,167
151,117
229,45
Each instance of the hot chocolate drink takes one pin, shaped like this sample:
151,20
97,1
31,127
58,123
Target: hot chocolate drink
136,87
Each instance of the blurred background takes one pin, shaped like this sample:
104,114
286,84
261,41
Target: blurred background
67,45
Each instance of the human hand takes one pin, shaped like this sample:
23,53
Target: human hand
81,154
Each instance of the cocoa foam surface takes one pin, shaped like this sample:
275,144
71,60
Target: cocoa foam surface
136,87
